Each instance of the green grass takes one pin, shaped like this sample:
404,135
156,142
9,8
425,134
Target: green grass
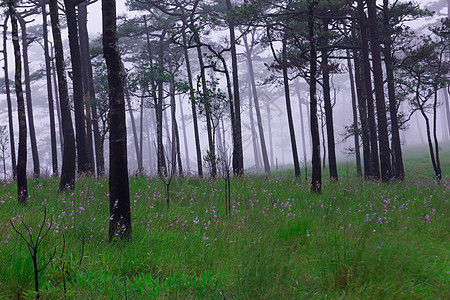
355,240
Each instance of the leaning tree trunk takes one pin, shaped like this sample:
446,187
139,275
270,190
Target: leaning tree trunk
238,155
22,189
252,128
328,107
26,71
367,81
48,74
119,199
287,96
67,180
80,124
316,182
8,100
257,109
383,135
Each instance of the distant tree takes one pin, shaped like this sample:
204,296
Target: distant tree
22,187
48,74
119,199
424,73
3,147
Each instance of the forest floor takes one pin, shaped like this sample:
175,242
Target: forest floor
357,239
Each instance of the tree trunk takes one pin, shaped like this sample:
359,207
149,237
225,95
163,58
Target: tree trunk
383,135
183,124
8,100
355,116
316,183
436,141
26,71
80,124
362,106
193,106
374,162
85,68
68,165
207,108
119,199
90,92
175,135
252,128
22,189
328,106
58,110
238,155
133,127
447,108
287,96
398,168
48,74
302,123
257,108
269,127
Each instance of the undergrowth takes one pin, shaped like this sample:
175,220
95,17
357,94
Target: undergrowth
356,240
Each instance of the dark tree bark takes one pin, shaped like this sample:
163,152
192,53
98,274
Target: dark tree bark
316,181
367,81
22,188
119,200
362,107
257,107
27,81
8,99
238,155
355,116
383,135
89,91
80,123
328,107
398,168
67,180
287,96
48,74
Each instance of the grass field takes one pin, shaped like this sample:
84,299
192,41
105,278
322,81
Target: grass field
356,240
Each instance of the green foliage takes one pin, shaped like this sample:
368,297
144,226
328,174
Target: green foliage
355,240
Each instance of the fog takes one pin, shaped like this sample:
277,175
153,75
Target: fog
281,157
